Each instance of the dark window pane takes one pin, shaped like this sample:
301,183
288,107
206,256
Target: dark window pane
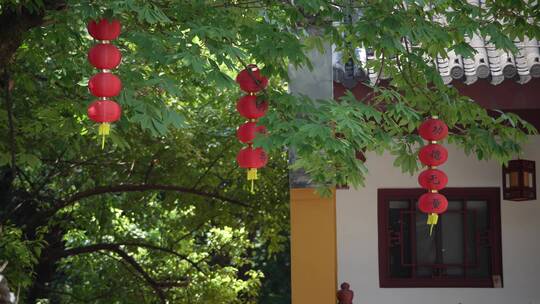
426,247
424,272
478,254
451,226
399,205
399,224
455,272
455,205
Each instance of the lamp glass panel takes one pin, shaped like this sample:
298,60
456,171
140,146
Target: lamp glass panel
514,179
525,179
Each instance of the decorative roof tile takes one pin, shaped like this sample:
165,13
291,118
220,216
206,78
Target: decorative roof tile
487,63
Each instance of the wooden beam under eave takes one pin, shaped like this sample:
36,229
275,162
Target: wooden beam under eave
508,95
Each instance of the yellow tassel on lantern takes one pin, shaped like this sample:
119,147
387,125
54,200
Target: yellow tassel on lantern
104,130
252,176
432,220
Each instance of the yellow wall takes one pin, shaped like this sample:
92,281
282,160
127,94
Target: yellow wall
313,247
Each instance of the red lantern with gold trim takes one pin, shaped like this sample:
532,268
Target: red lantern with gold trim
247,132
104,29
251,80
104,112
105,85
433,179
433,204
104,56
248,107
252,158
433,129
433,155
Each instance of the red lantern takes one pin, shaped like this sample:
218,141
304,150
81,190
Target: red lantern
104,111
433,155
248,107
247,132
251,80
252,158
433,179
104,29
105,85
433,129
432,203
104,56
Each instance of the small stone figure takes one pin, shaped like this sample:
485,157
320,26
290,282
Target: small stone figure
345,295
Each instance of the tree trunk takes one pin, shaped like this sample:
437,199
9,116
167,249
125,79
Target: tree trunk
47,267
15,22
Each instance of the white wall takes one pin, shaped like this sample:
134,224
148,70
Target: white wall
358,247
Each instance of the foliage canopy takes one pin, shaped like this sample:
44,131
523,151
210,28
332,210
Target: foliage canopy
162,213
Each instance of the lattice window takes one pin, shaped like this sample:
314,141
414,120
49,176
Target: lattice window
464,250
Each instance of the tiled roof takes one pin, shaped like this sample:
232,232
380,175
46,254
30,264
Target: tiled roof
488,63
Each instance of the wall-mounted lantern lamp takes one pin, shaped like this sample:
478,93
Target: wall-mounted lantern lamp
519,180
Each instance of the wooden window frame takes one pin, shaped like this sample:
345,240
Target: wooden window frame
493,198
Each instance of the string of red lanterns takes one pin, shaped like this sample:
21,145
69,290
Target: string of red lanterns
104,85
251,81
433,179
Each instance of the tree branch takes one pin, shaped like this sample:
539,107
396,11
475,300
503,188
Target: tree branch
211,165
131,261
16,22
157,286
141,188
244,4
153,161
163,249
199,226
